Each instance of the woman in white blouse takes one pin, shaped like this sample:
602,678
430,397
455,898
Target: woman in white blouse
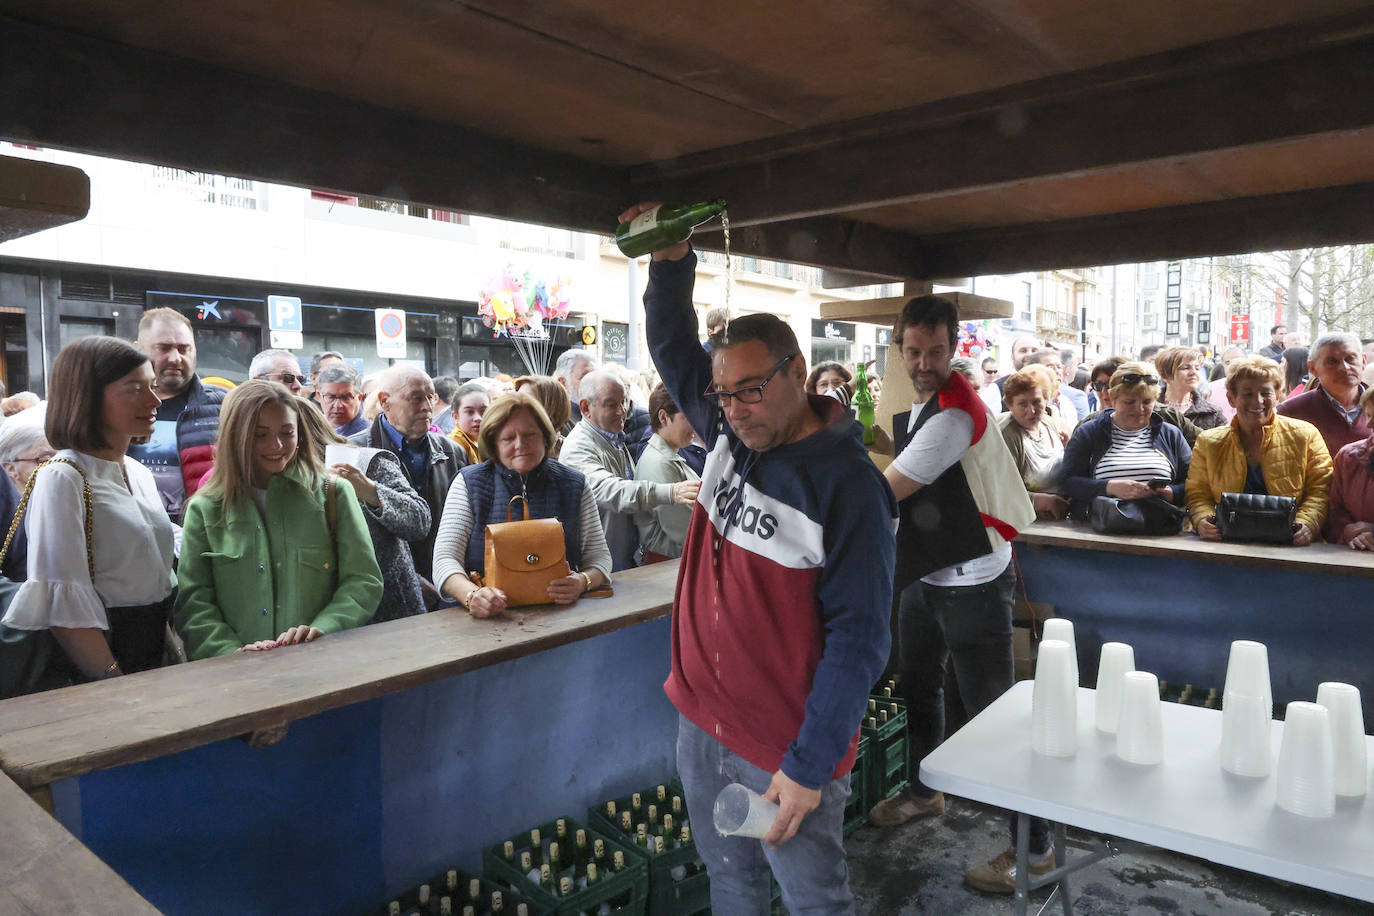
111,620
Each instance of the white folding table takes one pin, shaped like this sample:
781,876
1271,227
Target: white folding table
1187,803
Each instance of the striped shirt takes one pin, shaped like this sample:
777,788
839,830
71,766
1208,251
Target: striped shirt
1131,456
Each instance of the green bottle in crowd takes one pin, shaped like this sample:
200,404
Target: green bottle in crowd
863,403
664,225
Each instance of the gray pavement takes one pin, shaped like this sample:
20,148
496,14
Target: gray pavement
918,869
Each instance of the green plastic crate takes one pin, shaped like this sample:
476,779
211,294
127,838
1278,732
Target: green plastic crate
667,897
627,890
888,767
511,900
856,809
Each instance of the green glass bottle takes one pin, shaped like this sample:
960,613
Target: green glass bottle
663,226
863,403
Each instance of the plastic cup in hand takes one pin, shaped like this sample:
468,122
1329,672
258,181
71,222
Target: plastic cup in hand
1061,628
1350,756
1140,725
1246,724
1117,658
1306,779
1054,701
1247,673
740,811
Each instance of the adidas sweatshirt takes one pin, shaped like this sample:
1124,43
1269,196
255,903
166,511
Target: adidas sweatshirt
780,621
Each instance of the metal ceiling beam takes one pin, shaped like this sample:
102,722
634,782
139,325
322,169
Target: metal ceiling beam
1275,222
1256,89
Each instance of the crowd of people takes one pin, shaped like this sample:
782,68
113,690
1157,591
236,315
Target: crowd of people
155,518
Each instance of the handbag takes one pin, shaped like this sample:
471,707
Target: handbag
523,557
31,661
1153,515
1257,517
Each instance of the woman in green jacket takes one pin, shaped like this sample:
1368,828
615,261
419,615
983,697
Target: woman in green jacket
269,555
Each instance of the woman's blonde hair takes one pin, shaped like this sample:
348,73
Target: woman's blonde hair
314,429
232,478
499,414
1254,369
1119,387
1171,359
551,396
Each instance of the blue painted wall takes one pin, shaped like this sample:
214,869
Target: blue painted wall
357,803
1181,615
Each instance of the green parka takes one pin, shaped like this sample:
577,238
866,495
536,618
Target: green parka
244,578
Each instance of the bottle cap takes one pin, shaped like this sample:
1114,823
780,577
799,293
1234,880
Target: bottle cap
509,849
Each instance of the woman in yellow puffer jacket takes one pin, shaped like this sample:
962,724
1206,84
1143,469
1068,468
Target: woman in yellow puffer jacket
1259,452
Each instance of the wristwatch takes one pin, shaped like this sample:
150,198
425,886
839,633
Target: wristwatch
588,579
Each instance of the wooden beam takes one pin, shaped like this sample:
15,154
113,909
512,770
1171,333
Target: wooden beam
884,311
1227,94
63,733
69,91
37,195
824,242
46,870
1324,216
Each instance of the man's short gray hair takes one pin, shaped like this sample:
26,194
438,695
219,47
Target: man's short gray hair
320,357
262,363
586,390
569,358
392,378
335,373
1335,337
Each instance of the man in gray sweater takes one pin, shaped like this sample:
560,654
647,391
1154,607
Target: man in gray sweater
596,447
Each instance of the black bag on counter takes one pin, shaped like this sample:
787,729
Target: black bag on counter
1254,517
1149,516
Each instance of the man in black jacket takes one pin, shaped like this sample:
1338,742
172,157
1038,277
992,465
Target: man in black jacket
429,460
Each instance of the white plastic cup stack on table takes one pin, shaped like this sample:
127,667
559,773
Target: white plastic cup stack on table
740,811
1054,701
1140,726
1247,711
1061,628
1351,760
1306,773
1117,658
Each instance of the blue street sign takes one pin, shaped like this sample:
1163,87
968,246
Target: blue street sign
283,313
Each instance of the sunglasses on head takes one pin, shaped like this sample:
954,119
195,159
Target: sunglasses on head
1135,378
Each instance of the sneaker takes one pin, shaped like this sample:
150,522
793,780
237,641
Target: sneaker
998,874
895,811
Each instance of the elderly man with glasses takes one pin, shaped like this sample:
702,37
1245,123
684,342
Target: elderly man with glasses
279,366
337,389
429,460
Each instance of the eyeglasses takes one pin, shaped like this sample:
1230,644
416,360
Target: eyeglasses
339,398
286,378
749,394
1135,378
37,459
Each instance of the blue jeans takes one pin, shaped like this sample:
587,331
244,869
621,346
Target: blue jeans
810,867
969,626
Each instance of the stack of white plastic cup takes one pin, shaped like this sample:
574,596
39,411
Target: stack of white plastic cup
1140,725
1117,658
1350,757
1061,628
1247,711
740,811
1306,774
1054,701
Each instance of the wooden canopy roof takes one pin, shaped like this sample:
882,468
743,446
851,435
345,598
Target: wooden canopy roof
900,139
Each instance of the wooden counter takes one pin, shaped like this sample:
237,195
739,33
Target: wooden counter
50,736
1324,559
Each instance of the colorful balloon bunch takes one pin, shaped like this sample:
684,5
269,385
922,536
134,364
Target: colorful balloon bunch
515,302
976,338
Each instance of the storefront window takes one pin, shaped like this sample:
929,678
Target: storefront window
69,329
362,347
832,340
225,352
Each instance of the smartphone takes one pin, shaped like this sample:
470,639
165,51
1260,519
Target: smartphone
1159,483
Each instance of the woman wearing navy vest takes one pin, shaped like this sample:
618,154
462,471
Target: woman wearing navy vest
515,440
